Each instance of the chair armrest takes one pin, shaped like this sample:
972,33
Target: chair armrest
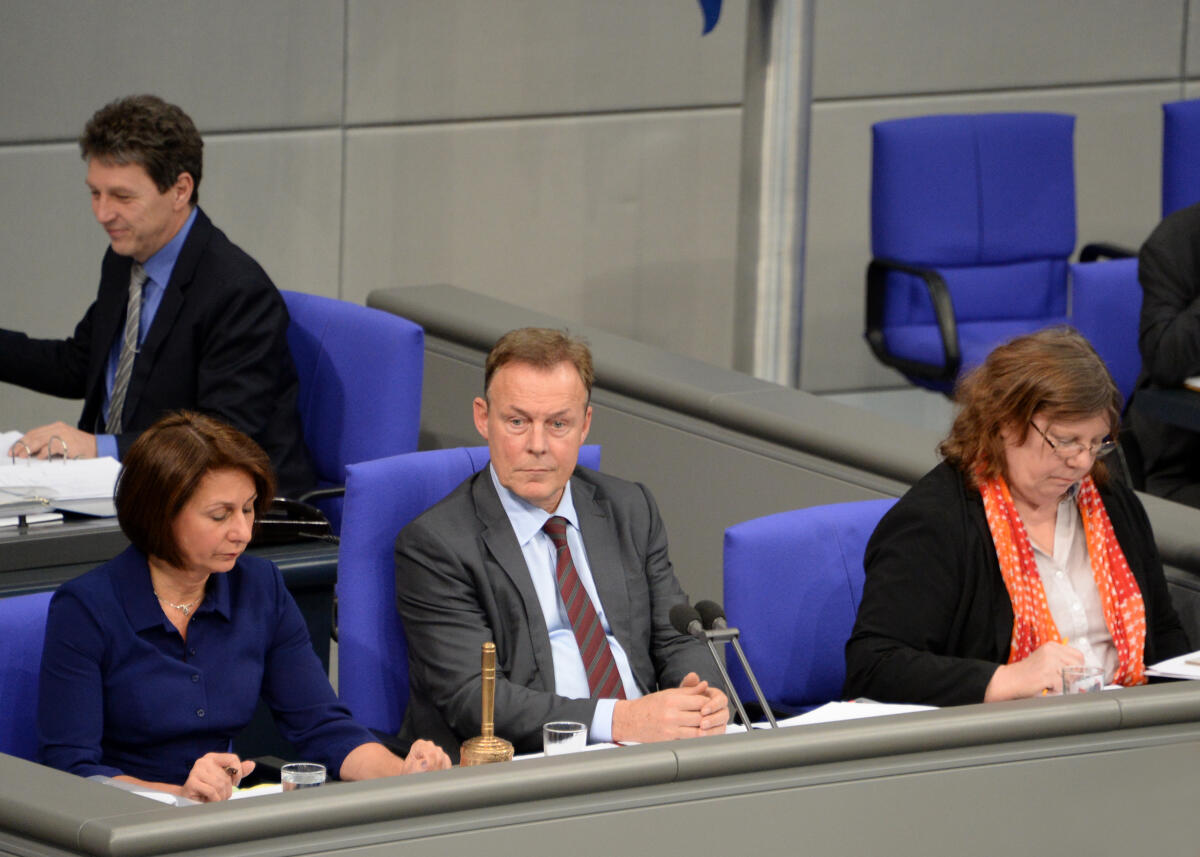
322,493
943,309
1104,250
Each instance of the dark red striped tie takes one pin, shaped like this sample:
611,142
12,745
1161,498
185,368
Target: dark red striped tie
602,675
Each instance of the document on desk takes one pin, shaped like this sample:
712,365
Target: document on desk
832,712
82,485
1183,666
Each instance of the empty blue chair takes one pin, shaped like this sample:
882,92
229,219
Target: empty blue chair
972,224
1107,305
1181,155
360,372
382,497
793,583
22,633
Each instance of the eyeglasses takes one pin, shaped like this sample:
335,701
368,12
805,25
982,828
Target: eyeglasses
1070,449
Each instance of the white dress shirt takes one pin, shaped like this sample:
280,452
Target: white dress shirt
570,675
1071,590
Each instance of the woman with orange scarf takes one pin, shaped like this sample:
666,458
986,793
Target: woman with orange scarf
1016,556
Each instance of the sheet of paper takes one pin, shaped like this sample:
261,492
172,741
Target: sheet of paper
36,518
1183,666
7,439
257,791
832,712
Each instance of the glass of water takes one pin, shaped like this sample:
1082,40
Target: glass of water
1082,679
563,736
301,775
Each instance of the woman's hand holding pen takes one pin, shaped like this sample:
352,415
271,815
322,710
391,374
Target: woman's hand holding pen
215,776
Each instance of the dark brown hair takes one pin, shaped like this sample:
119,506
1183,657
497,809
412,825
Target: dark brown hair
145,130
163,468
1054,372
544,348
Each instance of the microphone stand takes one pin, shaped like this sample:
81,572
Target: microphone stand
712,637
762,699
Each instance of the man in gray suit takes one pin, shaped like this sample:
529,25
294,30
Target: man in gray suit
564,568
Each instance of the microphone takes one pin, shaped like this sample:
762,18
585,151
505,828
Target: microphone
713,616
686,620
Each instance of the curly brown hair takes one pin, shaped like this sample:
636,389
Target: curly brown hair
145,130
1054,372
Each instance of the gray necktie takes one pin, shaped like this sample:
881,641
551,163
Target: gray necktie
129,349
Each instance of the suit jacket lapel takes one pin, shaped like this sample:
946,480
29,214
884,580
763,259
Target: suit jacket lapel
604,557
500,540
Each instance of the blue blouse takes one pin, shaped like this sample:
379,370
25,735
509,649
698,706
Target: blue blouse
122,693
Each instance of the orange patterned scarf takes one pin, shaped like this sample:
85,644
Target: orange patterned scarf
1124,611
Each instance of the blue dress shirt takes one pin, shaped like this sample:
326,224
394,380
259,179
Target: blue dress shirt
570,675
158,274
122,693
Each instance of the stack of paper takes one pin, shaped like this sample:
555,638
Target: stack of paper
1183,666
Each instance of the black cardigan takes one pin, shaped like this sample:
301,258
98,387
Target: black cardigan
936,621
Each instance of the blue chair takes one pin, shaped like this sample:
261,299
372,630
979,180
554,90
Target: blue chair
360,372
382,497
1107,305
793,583
972,224
1181,155
22,633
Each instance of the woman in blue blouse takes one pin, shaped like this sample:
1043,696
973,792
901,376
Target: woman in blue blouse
156,660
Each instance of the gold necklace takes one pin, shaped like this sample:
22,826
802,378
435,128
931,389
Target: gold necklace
185,608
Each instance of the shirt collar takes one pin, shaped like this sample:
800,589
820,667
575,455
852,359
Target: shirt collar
527,519
141,604
161,264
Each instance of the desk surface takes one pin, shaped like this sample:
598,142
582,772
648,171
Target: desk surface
1175,407
981,779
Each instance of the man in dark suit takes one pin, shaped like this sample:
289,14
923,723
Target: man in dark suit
1169,341
564,568
183,317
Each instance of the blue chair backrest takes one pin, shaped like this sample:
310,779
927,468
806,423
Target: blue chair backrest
988,200
793,583
360,372
1107,303
22,633
1181,155
382,497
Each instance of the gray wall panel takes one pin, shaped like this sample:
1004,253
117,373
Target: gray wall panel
426,59
52,255
1115,125
1191,57
624,222
230,64
278,196
924,46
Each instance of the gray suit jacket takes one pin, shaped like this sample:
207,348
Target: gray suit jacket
461,580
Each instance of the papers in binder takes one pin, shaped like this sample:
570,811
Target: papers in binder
82,485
